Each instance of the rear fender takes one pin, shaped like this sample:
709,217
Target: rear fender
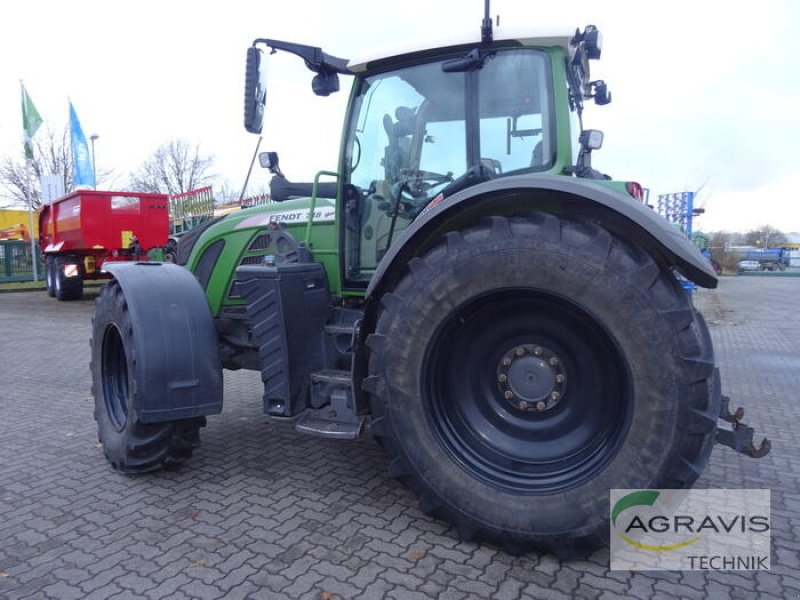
563,196
178,372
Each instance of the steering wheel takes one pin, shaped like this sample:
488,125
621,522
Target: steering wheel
413,190
409,194
417,181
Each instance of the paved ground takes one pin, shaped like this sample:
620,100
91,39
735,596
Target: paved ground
263,512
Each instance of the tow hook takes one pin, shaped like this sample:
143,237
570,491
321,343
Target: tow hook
733,433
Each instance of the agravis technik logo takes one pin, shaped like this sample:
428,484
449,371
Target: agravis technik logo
690,529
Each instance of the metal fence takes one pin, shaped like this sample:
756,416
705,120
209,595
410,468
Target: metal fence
15,261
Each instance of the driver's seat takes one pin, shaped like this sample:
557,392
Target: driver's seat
537,156
397,154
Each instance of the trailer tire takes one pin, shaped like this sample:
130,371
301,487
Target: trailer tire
129,445
49,274
67,288
171,251
524,367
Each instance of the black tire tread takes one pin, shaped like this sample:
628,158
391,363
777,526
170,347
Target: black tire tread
620,260
140,447
67,288
49,271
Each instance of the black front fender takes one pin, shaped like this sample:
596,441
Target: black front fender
564,196
178,372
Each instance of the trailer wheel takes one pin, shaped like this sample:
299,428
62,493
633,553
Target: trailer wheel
524,367
67,278
129,445
49,275
171,251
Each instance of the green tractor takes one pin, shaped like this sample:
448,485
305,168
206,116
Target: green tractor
508,323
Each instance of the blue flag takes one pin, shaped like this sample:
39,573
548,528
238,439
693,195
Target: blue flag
82,171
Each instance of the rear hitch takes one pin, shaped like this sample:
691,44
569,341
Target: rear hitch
733,433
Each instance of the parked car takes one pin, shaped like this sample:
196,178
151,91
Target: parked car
749,265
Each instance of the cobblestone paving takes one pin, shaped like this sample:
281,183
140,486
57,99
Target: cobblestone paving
264,512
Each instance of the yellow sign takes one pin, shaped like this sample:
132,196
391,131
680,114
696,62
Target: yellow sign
89,264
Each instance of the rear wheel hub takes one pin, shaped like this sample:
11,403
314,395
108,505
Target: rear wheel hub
531,377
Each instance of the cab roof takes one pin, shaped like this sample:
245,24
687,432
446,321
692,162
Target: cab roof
525,36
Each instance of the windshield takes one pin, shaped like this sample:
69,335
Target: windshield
416,130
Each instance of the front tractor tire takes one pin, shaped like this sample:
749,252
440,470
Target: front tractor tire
524,367
130,445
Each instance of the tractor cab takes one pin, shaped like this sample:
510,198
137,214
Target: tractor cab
427,130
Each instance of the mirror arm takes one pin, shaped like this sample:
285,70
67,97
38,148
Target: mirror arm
316,60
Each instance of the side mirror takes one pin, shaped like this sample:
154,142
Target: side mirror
255,91
324,84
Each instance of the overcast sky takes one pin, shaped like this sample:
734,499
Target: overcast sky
704,92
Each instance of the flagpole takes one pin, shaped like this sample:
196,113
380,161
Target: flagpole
30,123
30,219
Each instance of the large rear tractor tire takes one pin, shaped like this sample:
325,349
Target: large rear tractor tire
524,367
130,445
67,278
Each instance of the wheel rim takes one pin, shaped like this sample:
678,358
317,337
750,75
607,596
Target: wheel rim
114,368
526,391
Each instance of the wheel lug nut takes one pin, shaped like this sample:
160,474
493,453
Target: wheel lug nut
523,405
540,406
538,351
555,396
554,361
520,351
509,395
502,378
560,378
506,362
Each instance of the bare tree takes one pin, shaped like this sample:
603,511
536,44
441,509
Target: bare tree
719,245
226,193
765,236
175,167
51,156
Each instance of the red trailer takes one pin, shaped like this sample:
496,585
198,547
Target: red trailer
82,230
